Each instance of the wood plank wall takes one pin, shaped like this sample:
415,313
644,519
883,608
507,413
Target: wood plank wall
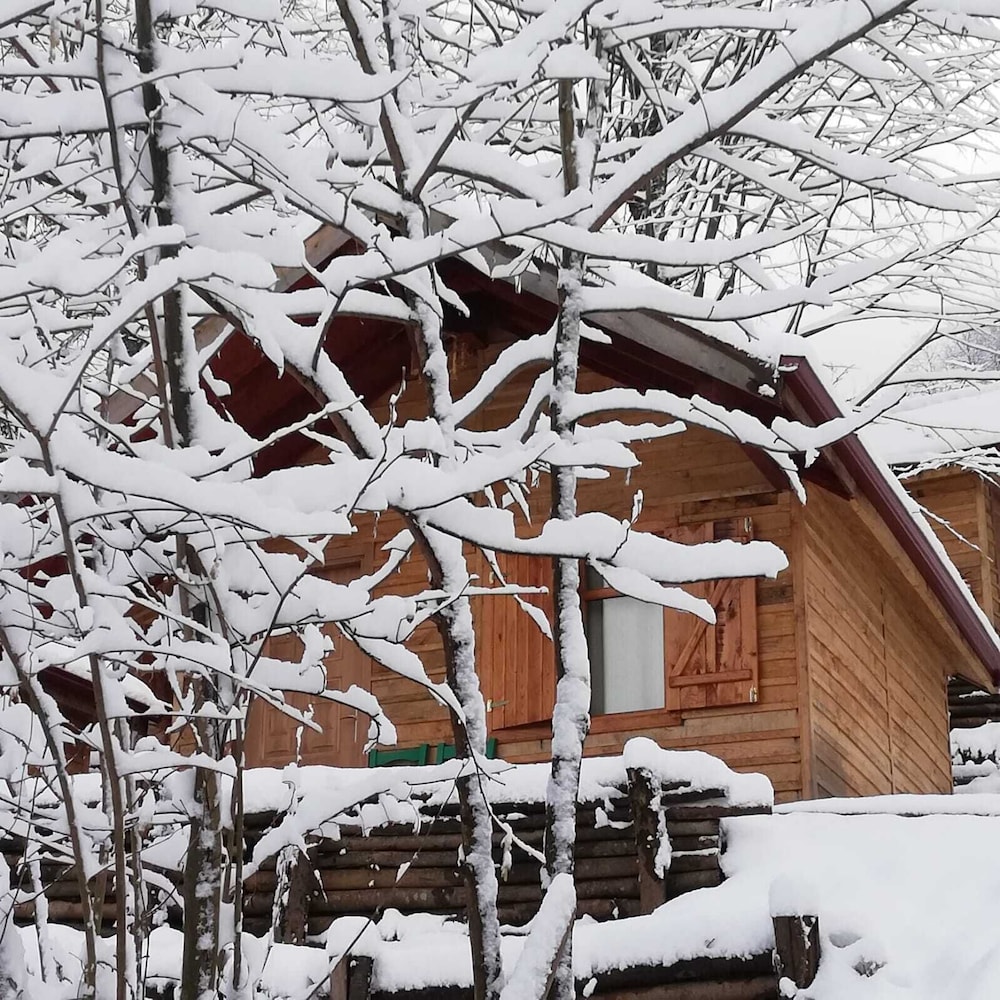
878,661
851,660
964,514
686,478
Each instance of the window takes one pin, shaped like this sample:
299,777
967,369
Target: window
644,657
625,640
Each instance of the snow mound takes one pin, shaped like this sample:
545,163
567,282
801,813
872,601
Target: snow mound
905,913
975,759
408,794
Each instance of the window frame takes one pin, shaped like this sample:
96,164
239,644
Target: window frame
603,726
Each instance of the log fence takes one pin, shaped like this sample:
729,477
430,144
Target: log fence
359,873
623,869
365,871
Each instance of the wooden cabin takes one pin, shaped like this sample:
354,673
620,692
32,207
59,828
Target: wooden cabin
830,679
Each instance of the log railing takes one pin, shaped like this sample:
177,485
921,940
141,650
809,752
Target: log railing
359,872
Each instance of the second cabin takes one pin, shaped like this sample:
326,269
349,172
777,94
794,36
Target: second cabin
831,679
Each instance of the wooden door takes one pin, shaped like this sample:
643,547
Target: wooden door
271,735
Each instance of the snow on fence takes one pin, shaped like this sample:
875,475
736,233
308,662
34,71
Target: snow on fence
733,978
975,757
401,851
329,850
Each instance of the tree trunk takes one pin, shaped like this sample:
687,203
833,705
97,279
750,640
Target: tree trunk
46,711
206,852
571,714
455,625
202,889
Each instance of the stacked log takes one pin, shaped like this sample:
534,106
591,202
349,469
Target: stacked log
397,866
359,873
970,706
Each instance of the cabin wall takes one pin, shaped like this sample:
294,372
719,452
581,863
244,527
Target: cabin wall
878,660
687,478
853,651
964,511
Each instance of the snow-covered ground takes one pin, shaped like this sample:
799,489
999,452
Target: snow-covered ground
906,906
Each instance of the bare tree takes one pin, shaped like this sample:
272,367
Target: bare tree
715,165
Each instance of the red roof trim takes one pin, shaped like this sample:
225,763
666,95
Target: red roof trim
820,406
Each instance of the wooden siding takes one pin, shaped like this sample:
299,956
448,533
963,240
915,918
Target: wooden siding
963,509
690,478
878,659
853,650
686,479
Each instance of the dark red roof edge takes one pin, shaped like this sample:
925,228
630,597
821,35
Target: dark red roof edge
809,389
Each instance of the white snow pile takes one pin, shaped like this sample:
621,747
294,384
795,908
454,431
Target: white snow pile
409,794
975,758
906,906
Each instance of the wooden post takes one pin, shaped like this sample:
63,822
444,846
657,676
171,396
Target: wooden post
295,884
359,978
550,980
648,827
796,948
338,979
351,978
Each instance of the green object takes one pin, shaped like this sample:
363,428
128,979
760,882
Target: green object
409,755
446,751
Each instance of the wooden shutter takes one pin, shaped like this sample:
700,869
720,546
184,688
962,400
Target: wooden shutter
270,739
270,735
516,657
713,665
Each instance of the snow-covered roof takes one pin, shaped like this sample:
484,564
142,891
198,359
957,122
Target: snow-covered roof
942,428
129,686
745,354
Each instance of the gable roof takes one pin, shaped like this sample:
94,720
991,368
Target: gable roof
767,376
